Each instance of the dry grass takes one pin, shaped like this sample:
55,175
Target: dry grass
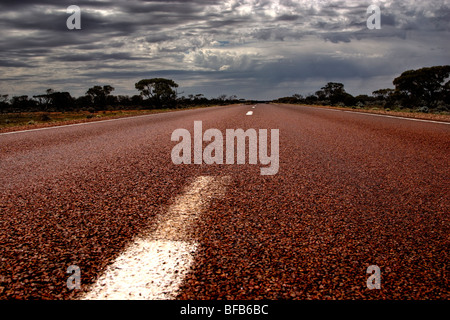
407,113
31,120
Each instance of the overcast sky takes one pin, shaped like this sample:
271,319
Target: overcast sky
255,49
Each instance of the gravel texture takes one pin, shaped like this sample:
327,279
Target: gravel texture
352,191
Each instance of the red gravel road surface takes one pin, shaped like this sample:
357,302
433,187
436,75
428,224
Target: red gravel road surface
352,190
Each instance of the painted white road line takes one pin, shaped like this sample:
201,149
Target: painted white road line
395,117
154,266
78,124
249,113
388,116
148,270
85,123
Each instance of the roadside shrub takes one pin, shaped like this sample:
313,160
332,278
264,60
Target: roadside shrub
442,107
45,117
423,109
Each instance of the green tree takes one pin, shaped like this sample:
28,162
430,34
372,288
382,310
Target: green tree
334,93
447,93
382,94
222,98
22,103
99,94
4,102
158,91
333,89
45,100
62,101
423,87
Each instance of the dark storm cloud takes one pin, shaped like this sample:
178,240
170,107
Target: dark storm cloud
14,64
98,56
27,4
218,41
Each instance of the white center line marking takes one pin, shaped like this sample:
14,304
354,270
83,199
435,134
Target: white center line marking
154,266
79,124
249,113
388,116
402,118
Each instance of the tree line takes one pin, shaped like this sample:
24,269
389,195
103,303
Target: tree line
425,89
156,93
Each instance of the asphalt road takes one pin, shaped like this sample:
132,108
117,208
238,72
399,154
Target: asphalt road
352,190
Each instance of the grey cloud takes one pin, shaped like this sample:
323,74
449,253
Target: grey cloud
14,64
97,56
135,36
